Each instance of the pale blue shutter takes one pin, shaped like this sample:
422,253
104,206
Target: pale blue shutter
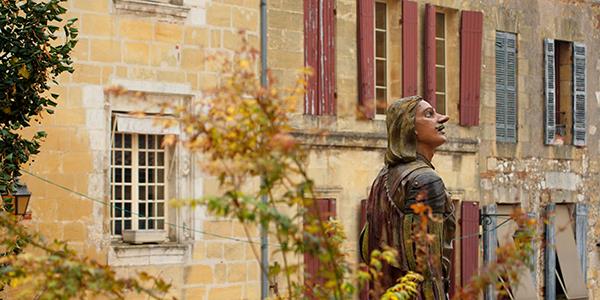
581,224
506,87
511,87
550,254
534,252
549,92
579,94
500,86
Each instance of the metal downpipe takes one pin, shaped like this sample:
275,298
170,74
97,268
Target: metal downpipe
264,238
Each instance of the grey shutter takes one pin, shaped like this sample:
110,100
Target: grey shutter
506,87
549,92
500,86
534,252
490,243
511,88
550,254
581,224
579,94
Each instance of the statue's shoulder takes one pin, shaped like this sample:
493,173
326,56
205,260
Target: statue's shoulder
424,177
402,171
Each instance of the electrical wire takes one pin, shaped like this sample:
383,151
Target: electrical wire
483,232
82,195
137,214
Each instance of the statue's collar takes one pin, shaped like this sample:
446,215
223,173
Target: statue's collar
425,160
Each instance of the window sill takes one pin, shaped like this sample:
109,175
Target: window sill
122,254
145,7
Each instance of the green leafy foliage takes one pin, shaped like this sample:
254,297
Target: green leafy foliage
55,271
35,43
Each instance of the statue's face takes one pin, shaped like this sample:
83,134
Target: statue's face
429,126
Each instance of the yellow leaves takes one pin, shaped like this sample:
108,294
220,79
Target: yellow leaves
24,72
244,64
16,282
169,140
406,288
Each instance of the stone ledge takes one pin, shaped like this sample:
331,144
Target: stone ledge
374,141
121,254
146,7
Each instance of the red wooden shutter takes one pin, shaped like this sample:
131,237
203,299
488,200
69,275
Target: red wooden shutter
366,56
409,48
319,55
328,56
471,28
326,210
469,244
430,55
311,54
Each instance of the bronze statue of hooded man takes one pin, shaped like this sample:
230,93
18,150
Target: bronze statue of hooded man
415,130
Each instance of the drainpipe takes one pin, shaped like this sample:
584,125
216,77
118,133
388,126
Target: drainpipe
264,239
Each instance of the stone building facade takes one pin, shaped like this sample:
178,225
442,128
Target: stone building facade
518,146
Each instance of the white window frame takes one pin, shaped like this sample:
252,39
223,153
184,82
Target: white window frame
386,58
135,214
445,40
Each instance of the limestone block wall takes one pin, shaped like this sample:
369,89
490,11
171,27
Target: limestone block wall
158,50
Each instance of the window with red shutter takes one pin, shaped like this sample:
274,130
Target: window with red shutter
471,28
319,55
325,210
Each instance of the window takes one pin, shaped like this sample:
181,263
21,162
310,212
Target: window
326,211
499,230
138,182
563,62
440,62
381,58
441,37
505,233
565,92
564,270
506,87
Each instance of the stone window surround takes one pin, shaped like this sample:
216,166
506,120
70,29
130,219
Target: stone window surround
162,8
175,251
